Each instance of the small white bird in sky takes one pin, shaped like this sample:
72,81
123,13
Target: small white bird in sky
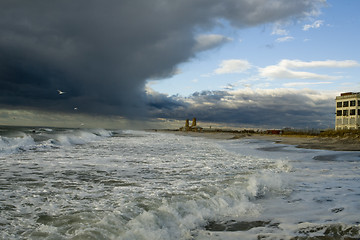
60,92
75,108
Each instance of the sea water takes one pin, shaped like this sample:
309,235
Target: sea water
116,184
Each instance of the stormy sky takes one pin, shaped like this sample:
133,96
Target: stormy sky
279,108
101,53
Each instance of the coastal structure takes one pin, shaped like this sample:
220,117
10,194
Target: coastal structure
347,111
192,128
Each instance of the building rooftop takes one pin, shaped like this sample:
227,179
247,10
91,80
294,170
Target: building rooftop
349,93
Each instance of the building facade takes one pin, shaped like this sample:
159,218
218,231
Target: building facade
347,111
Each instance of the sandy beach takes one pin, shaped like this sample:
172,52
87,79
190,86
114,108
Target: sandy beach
310,142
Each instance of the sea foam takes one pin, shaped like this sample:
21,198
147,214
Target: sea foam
45,138
13,145
100,184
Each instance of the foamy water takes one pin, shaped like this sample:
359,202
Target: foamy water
99,184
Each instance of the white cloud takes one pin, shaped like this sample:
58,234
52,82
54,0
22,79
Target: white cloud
229,86
315,64
284,69
315,24
279,31
280,72
285,39
296,84
208,41
233,66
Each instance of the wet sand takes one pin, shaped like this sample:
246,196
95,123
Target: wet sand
309,142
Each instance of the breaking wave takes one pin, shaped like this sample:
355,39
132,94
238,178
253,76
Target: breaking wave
103,184
44,138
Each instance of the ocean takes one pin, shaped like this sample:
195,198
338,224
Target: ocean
122,184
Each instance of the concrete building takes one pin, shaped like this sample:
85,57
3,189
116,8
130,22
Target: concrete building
347,111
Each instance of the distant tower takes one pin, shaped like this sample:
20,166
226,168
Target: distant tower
187,123
193,122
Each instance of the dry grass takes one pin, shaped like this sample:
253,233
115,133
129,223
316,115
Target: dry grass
325,133
340,133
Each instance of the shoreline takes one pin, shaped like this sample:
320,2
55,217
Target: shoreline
303,141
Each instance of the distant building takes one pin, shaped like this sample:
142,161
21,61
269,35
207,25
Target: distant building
274,131
347,111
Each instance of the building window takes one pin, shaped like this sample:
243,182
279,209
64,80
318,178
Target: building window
346,104
339,104
359,112
352,103
352,112
345,113
358,102
339,112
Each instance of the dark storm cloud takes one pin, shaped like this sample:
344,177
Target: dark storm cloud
263,108
101,52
